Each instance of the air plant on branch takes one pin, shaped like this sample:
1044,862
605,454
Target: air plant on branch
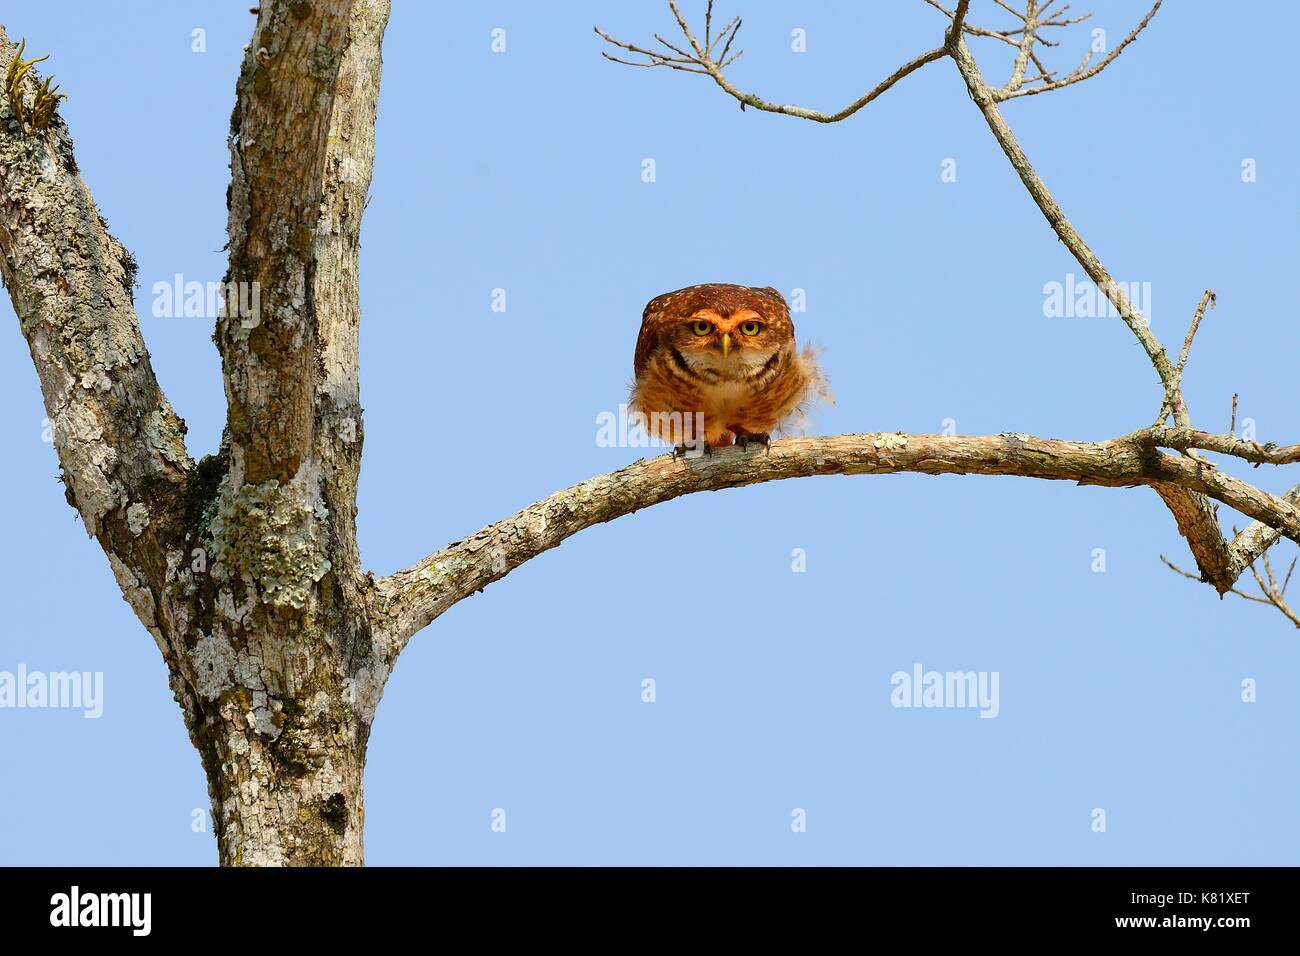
36,118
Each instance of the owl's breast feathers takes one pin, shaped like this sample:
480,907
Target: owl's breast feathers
750,398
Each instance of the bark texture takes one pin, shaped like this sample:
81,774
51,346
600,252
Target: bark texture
291,674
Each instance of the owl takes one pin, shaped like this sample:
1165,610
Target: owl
721,359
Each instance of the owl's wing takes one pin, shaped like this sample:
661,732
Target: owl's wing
648,340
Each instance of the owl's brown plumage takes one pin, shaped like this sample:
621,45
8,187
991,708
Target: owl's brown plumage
726,352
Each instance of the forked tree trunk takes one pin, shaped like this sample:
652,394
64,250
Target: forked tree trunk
243,567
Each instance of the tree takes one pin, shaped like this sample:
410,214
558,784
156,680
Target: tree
244,566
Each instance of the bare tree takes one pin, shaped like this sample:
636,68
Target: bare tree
244,566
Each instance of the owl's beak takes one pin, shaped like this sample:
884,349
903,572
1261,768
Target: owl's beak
726,343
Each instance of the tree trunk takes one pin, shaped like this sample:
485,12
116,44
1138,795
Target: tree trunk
289,793
265,626
277,671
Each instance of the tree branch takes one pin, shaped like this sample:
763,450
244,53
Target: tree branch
335,285
1006,36
1258,537
1272,593
983,97
1081,73
278,150
1196,518
71,283
1028,36
1173,401
953,34
408,600
1185,439
1198,522
703,61
302,153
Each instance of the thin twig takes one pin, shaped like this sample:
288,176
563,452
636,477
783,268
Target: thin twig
1081,73
1026,47
1271,593
1196,577
953,34
1006,36
702,61
1173,400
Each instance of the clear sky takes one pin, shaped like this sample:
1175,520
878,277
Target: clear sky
522,171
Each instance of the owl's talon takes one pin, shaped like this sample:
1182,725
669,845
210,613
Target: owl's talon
762,438
684,451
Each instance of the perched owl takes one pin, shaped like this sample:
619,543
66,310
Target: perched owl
724,356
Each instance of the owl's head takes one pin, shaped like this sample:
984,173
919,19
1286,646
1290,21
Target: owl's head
730,329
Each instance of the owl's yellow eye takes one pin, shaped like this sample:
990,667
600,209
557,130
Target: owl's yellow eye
750,328
701,328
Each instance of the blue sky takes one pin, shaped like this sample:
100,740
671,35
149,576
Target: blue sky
522,171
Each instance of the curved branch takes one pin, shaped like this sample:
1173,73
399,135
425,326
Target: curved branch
700,59
749,99
404,602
